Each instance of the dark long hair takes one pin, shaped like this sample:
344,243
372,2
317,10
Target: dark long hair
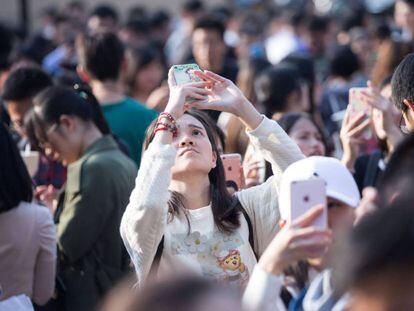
55,101
225,208
16,184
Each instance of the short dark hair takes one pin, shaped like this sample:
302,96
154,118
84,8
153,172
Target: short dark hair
105,11
402,82
212,24
343,62
16,184
192,6
274,85
101,55
318,24
25,83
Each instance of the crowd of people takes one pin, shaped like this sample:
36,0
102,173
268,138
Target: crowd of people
114,186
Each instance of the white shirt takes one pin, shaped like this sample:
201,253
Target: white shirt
205,250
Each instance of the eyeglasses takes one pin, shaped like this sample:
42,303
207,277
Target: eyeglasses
402,125
45,144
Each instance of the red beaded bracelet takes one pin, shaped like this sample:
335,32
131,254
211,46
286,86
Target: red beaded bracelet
167,116
160,126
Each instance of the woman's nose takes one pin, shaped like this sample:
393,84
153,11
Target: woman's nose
186,142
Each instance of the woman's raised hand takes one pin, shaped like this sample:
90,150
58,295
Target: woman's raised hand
351,136
296,241
183,96
227,97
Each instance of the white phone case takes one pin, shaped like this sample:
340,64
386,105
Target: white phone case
305,194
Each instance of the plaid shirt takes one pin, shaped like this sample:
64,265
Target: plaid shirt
50,173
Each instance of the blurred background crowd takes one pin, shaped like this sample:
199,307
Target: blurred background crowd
294,60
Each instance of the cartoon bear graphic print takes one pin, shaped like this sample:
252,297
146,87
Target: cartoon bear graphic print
235,270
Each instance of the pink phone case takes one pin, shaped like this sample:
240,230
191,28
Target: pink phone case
232,167
305,194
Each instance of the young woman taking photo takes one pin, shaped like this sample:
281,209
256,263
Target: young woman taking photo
180,217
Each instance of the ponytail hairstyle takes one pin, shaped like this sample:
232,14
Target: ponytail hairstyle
225,207
55,101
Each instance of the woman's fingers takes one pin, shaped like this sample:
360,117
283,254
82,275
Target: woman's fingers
309,217
310,232
215,76
356,131
171,79
198,90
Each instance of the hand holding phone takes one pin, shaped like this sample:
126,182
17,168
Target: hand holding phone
232,170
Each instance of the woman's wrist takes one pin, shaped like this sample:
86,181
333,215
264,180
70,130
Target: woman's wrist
248,114
348,160
272,267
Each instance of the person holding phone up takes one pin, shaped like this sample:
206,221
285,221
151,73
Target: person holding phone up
302,250
180,217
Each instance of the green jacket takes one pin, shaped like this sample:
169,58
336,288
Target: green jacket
88,219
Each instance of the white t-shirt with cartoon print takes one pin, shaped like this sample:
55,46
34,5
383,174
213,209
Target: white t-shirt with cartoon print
206,251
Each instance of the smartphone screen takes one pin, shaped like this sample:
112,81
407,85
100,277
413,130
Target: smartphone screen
182,73
306,194
232,169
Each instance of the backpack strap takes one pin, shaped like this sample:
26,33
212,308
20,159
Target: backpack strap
372,169
250,227
157,258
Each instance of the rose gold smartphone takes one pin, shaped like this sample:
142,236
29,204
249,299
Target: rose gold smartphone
232,169
305,194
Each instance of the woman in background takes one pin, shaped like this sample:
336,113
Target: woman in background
27,234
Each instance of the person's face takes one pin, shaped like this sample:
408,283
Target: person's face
208,49
63,140
97,24
17,111
149,77
194,150
130,38
317,42
340,219
404,15
307,137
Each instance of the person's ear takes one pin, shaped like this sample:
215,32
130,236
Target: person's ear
409,104
214,159
83,74
67,123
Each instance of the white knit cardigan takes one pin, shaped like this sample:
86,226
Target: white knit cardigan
145,219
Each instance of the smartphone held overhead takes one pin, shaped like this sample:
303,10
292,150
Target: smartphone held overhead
184,73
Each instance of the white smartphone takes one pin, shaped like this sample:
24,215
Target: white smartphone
305,194
31,159
182,73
